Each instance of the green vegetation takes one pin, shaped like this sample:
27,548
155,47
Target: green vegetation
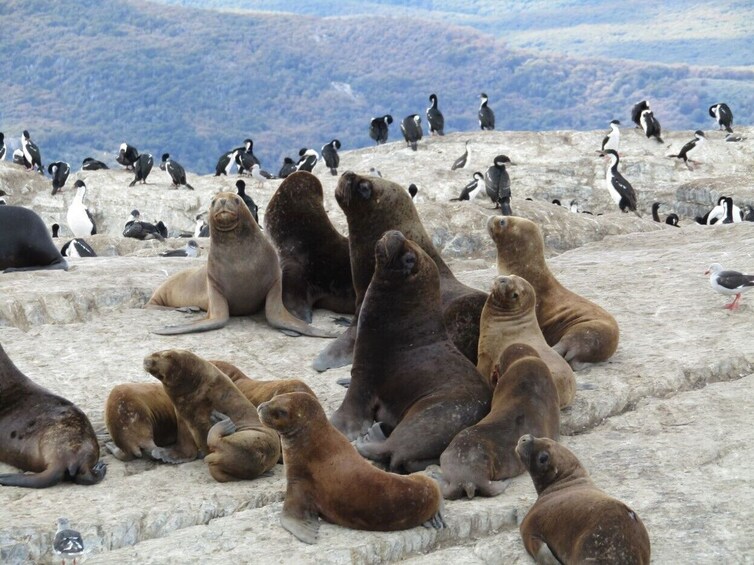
84,76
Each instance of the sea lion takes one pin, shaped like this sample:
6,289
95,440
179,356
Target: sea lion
313,255
573,326
241,276
482,458
373,206
238,446
407,374
508,317
43,433
258,391
25,242
325,477
572,520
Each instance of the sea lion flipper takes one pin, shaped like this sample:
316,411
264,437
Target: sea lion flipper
218,316
47,478
437,522
278,317
339,353
303,524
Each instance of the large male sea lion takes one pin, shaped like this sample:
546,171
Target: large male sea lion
573,326
508,317
373,206
241,276
313,255
43,433
238,446
25,242
325,477
407,374
572,520
482,458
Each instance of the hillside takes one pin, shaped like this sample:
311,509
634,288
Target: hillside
195,83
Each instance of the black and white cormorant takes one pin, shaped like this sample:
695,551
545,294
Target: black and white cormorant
435,119
226,161
92,164
32,155
175,170
127,155
485,114
331,157
723,116
612,138
620,189
463,160
288,167
80,220
142,167
307,159
2,146
77,247
637,110
138,229
471,190
650,125
411,126
245,157
690,149
497,183
59,170
378,128
250,204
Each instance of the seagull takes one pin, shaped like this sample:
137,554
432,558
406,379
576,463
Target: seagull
729,283
471,190
463,160
191,250
67,542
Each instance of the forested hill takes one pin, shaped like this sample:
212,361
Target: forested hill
84,76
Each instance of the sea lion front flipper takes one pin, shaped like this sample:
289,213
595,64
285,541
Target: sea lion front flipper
339,353
278,317
217,432
218,316
493,488
299,520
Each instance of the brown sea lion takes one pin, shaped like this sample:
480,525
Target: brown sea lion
407,374
508,317
43,433
313,255
482,458
572,520
258,391
241,276
573,326
373,206
325,477
238,446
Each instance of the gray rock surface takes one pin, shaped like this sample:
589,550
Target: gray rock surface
665,425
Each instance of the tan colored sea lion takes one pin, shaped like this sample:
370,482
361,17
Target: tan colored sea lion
241,276
573,326
325,477
407,374
44,434
482,458
508,317
373,206
572,520
313,255
258,391
238,446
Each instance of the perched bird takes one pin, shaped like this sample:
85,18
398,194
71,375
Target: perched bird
637,110
734,137
142,167
288,168
59,171
245,157
55,229
77,248
463,160
67,543
725,212
331,157
225,162
471,190
79,218
556,202
498,184
650,125
253,208
691,148
18,157
202,228
435,118
486,115
378,128
375,172
32,156
574,207
411,126
127,155
612,138
749,214
260,174
413,190
91,164
138,229
723,116
191,250
175,170
729,283
619,188
307,159
2,146
672,220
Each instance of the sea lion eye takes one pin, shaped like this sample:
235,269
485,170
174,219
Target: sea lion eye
364,189
502,222
514,296
543,458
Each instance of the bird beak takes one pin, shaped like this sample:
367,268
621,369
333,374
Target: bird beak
707,272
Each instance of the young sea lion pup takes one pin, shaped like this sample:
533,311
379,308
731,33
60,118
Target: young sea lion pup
327,478
572,520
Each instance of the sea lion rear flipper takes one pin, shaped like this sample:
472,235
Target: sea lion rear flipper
218,316
47,478
278,317
339,353
545,556
91,476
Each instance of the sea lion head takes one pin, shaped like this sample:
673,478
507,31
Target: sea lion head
396,257
512,295
302,184
177,369
227,212
290,413
547,461
354,190
518,241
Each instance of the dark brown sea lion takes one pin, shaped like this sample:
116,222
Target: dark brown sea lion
241,276
508,317
373,206
572,520
44,434
407,374
238,446
313,255
482,458
325,477
573,326
25,242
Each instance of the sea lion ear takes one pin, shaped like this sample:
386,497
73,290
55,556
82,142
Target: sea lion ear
364,188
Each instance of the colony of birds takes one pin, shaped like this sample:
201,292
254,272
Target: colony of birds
504,361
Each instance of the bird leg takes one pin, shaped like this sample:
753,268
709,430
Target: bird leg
733,305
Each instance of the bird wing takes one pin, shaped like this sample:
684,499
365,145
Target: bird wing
624,188
733,280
